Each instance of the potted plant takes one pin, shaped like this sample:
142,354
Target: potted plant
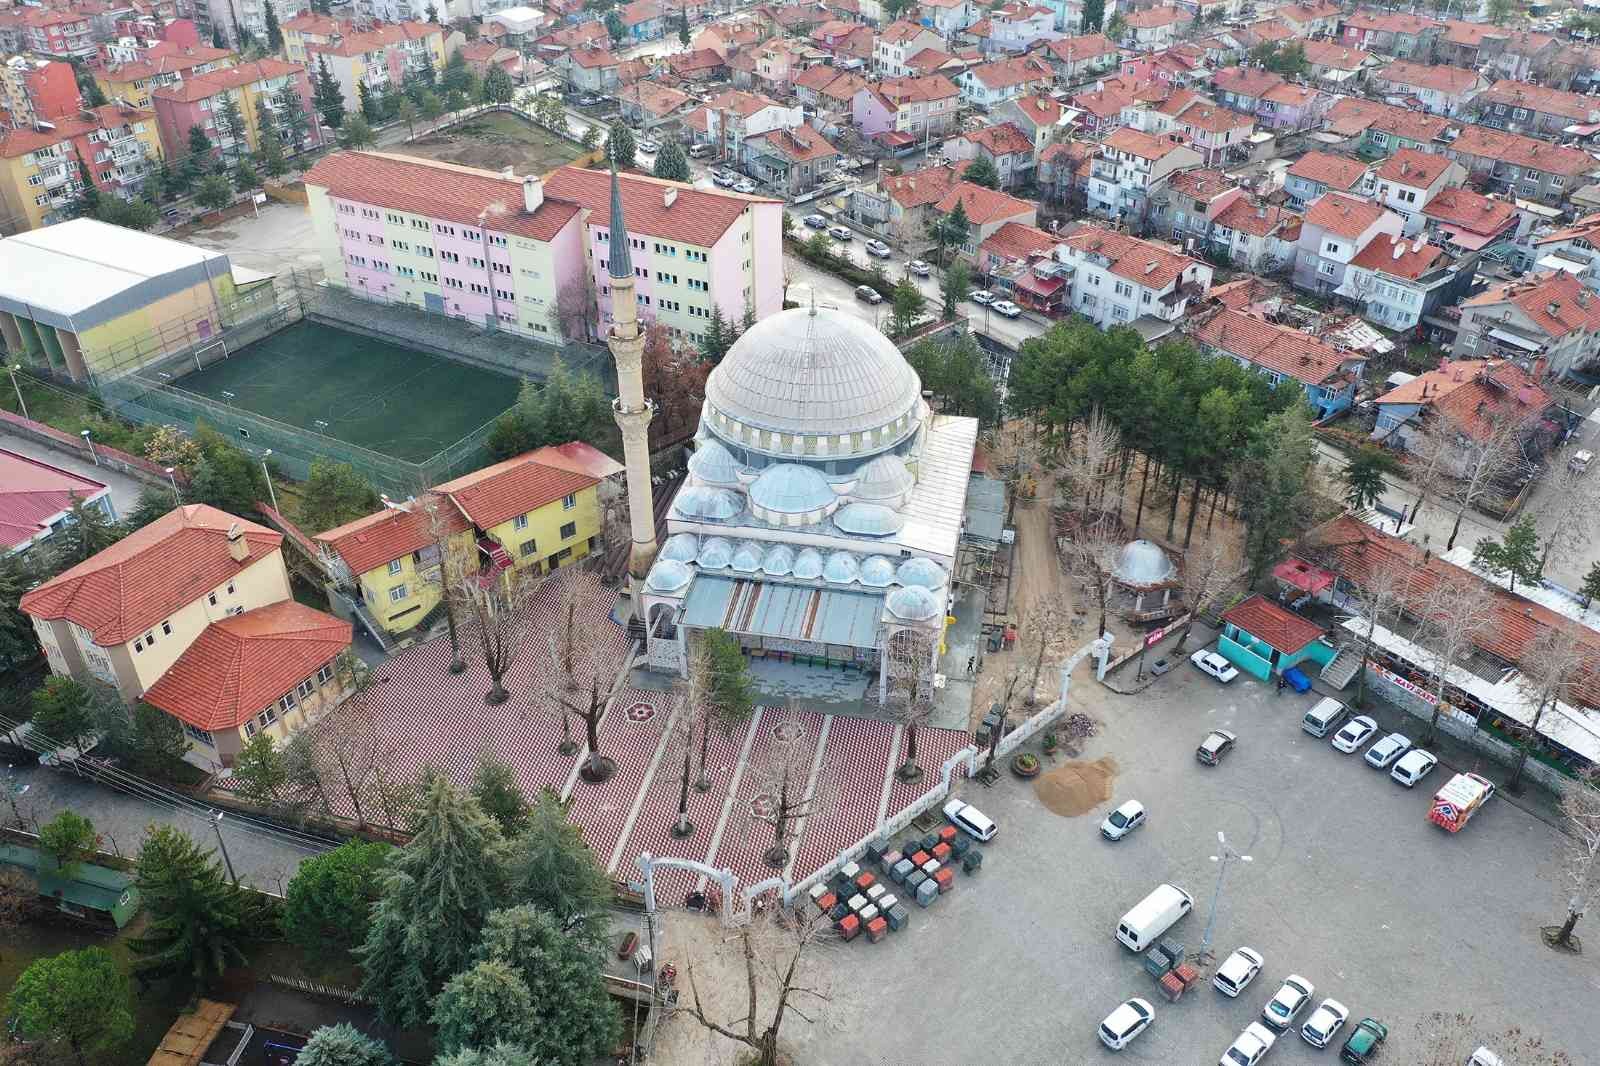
1050,743
1025,764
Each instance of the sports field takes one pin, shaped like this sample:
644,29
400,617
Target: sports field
398,401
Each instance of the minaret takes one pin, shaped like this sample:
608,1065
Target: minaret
633,412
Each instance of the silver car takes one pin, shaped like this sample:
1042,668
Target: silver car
879,249
1383,754
1122,821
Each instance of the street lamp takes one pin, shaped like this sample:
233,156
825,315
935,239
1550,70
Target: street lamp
271,495
84,433
13,372
173,480
1228,853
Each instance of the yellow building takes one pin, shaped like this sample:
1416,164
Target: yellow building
193,615
165,64
533,514
73,296
40,178
377,58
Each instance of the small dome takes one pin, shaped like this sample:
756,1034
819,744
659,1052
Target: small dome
713,464
924,573
747,560
841,568
1142,563
697,501
668,575
877,571
716,553
808,564
913,603
789,488
779,561
867,519
681,547
885,478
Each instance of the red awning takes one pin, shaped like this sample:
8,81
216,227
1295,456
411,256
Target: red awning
896,139
1303,576
1046,287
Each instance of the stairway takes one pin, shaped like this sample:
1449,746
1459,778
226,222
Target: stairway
1341,668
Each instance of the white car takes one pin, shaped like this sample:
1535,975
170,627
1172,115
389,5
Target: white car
966,817
1237,971
879,249
648,146
919,268
1284,1007
815,221
1249,1047
1007,308
1413,766
1126,1022
1324,1023
983,297
1122,821
746,187
1354,734
1211,663
1387,750
840,233
724,178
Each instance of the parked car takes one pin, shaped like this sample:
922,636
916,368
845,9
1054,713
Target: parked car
1364,1043
919,268
1579,463
700,151
815,221
868,294
969,819
1211,663
588,100
840,233
1324,1023
1007,308
1122,821
983,297
1383,754
879,249
1126,1022
747,187
723,178
1216,744
648,145
1354,734
1237,971
1413,766
1249,1047
1287,1003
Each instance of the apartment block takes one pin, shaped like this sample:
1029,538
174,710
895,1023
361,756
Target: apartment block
231,18
38,89
199,100
163,64
39,174
376,58
57,34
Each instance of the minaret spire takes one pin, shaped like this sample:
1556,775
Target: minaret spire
632,411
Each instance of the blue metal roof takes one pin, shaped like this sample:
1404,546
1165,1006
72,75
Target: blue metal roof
790,488
867,519
681,547
716,552
792,612
877,571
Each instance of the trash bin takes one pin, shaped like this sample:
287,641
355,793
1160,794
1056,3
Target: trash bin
1173,948
915,880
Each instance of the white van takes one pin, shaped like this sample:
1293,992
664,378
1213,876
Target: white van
1324,717
1153,915
700,151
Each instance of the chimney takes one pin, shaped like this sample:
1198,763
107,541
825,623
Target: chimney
1553,306
1399,249
532,194
238,550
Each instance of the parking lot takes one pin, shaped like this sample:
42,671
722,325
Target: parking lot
1350,886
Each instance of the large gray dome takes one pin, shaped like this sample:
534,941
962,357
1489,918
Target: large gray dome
1143,563
812,373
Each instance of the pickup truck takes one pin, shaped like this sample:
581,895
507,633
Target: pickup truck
1461,797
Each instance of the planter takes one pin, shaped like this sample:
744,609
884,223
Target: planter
1025,765
1050,743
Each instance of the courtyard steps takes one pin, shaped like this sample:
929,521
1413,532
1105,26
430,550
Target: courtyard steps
1341,668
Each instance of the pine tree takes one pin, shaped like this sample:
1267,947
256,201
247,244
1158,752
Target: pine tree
198,921
683,28
200,148
343,1045
274,31
231,128
292,112
718,338
86,532
88,201
981,171
326,96
369,106
497,86
672,163
218,38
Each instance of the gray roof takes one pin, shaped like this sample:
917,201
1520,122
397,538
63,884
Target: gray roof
620,256
793,612
790,488
1143,563
811,371
883,478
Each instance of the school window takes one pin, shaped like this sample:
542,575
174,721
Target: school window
395,566
528,547
325,674
569,531
569,501
305,688
398,593
211,598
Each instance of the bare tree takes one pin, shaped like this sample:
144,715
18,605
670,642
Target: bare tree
786,793
492,608
1567,516
774,951
577,308
1204,578
910,682
1553,668
339,756
454,560
1090,461
1454,614
1478,453
1579,855
1378,601
680,730
19,895
586,679
1443,1038
1091,557
615,529
1018,446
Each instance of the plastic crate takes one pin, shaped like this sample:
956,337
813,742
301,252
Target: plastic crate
902,869
927,892
1156,963
890,858
898,917
865,880
876,893
1173,948
849,926
945,878
960,845
919,858
915,880
971,861
941,851
856,902
948,834
1171,987
877,929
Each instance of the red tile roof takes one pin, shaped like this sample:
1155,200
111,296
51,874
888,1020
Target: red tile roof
985,205
801,144
1004,139
1201,183
1260,220
1335,56
1343,215
1470,211
1452,81
1156,17
1041,110
1004,73
1078,49
929,60
1106,103
1295,96
1335,171
697,216
1017,241
1350,115
440,190
695,62
1472,34
239,666
1411,166
34,492
150,573
742,104
593,58
923,187
1503,396
521,484
1280,627
578,457
1390,22
1517,150
392,533
166,58
202,86
917,90
1576,106
1280,349
1142,145
1145,262
310,22
1245,81
1585,228
1212,118
377,38
1416,257
1303,13
1575,307
901,32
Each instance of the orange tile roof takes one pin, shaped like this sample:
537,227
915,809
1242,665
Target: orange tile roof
1390,22
1335,56
1004,139
901,32
392,533
1212,118
239,666
1474,34
1078,49
1351,115
1335,171
21,141
1413,167
1416,257
1017,241
740,103
1145,262
514,487
697,216
439,190
1260,220
801,144
310,22
1271,30
1201,183
165,59
1245,81
1106,103
1574,306
984,205
1493,399
1343,215
1287,95
1586,228
1470,211
918,90
1436,76
701,59
149,574
1310,12
593,58
923,187
1041,110
657,99
202,86
1004,73
1155,17
382,36
1576,106
1523,151
1286,351
929,60
1432,384
1142,145
1280,627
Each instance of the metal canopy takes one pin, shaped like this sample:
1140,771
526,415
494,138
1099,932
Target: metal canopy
791,612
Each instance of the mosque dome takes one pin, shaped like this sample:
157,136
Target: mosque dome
697,501
681,547
747,560
713,464
668,575
924,573
811,376
1142,563
779,561
841,568
867,519
877,571
808,564
913,604
791,494
884,478
716,553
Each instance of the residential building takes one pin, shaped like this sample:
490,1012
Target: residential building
1219,135
792,161
1131,168
1409,180
698,66
1461,221
1476,397
1391,33
1328,376
1373,128
900,206
1527,168
897,43
1007,258
643,20
377,58
483,55
40,177
1063,172
1335,228
36,501
1013,27
35,90
542,510
1259,237
910,109
218,643
54,33
1185,207
779,62
726,119
1154,27
1552,315
991,84
948,17
1077,59
1314,18
987,211
164,64
648,104
308,28
727,38
1041,118
1438,89
1006,147
1398,282
1536,110
1318,172
1337,66
851,43
198,101
1242,88
1183,65
1290,107
231,18
554,46
1101,109
590,70
1118,280
1574,248
936,61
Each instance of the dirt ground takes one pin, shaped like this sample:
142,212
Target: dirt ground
496,141
1075,788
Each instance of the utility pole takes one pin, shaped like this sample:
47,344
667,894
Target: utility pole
1222,860
216,823
271,494
13,370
